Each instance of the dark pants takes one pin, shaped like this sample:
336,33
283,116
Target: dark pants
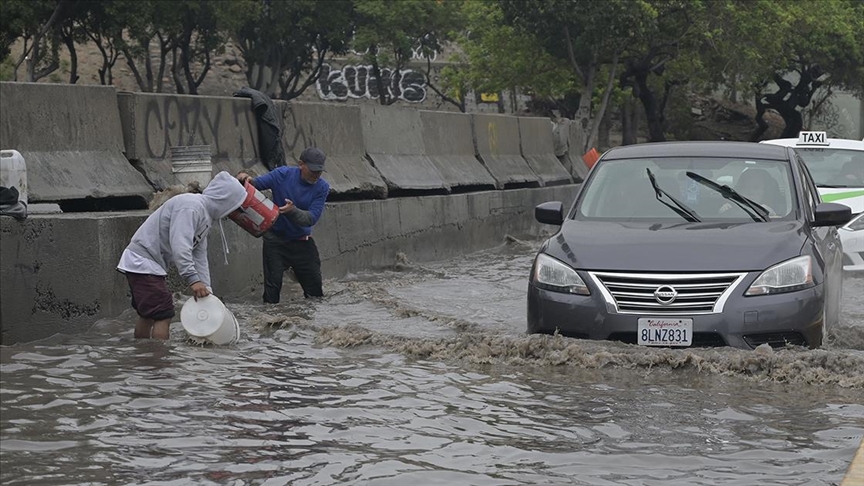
299,255
150,296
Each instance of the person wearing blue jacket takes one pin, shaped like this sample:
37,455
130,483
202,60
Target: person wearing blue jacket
289,243
176,234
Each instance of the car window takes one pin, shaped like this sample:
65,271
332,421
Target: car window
621,189
834,167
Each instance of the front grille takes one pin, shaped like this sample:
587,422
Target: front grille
633,293
776,339
700,339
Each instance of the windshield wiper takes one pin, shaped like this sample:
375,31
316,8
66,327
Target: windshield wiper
682,209
752,208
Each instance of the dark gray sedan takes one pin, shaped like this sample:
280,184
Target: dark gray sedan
691,244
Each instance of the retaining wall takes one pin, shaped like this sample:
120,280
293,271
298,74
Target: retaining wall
538,149
58,271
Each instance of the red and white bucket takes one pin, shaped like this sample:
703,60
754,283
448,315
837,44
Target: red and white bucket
257,213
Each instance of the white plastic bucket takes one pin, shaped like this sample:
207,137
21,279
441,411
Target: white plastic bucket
192,164
13,172
207,319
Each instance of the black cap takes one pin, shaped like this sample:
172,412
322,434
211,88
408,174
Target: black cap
313,158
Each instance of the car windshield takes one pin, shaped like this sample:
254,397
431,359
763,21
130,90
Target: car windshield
622,190
834,167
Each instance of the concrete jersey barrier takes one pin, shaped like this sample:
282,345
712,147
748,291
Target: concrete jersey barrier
538,148
449,143
497,143
153,123
578,168
393,140
71,142
336,130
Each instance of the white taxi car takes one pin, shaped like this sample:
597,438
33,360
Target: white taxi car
837,168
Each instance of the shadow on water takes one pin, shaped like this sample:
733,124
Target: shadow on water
422,373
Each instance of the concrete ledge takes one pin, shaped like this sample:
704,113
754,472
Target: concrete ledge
336,130
855,474
59,270
497,144
71,141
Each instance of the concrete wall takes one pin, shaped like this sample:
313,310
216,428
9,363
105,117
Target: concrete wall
153,123
58,271
71,141
496,139
335,129
448,141
538,149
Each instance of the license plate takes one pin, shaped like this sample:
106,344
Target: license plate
665,332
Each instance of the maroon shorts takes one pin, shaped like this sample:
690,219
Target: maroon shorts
150,296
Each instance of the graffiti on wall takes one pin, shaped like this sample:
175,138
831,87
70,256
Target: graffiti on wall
230,128
357,81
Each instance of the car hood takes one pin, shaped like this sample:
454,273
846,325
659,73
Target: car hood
687,247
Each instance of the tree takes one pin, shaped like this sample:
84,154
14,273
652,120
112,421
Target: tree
389,30
103,23
797,49
147,22
585,35
198,35
284,44
35,22
667,44
496,57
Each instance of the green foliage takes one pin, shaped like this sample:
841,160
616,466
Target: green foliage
388,31
289,38
498,57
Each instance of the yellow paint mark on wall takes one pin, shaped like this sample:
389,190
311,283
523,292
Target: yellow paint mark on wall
489,97
492,128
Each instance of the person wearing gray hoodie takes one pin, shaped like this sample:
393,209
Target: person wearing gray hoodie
176,233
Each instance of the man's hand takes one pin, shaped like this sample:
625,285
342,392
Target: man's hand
199,290
243,177
287,208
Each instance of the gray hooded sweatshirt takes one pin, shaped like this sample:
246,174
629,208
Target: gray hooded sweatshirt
177,231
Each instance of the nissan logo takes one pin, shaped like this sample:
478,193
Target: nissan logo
665,294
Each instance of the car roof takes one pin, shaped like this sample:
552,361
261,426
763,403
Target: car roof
834,143
747,150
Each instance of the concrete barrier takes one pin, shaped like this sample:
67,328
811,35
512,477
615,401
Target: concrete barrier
538,148
336,130
393,140
577,167
449,143
153,123
497,142
71,141
58,271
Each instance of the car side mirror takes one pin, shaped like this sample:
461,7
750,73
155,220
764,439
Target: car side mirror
832,214
550,213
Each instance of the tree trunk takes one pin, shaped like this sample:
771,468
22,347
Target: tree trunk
69,40
629,122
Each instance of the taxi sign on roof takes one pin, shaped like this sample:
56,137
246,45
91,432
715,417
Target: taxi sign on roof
812,138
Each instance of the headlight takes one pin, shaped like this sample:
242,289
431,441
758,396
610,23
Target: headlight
794,274
856,224
550,274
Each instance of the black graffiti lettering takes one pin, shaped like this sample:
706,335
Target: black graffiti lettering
360,82
179,120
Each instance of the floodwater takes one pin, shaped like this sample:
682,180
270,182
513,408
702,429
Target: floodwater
422,374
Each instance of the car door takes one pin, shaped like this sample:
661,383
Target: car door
828,245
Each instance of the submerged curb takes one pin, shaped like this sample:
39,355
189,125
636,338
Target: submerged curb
855,474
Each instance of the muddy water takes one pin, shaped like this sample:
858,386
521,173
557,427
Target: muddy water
421,374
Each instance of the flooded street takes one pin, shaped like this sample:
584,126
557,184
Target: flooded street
422,374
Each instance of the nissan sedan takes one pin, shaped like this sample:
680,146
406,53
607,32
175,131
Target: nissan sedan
691,244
